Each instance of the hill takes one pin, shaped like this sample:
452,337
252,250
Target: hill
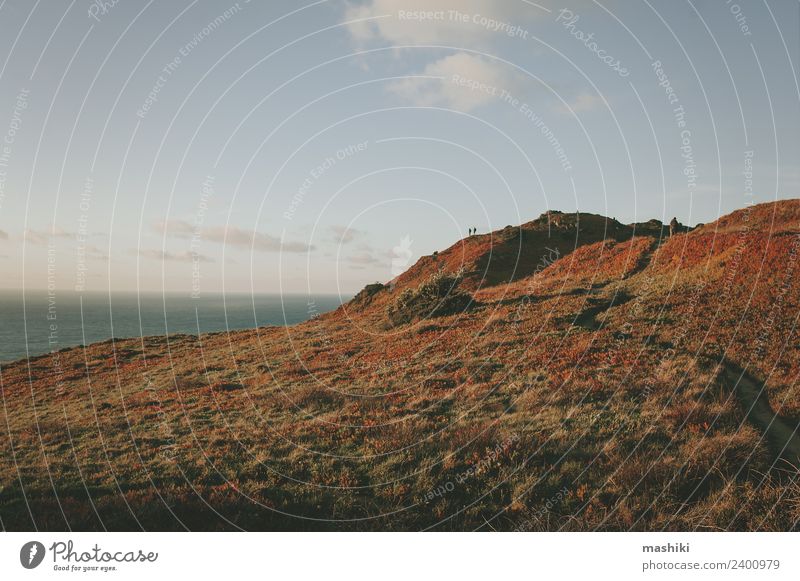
514,253
572,373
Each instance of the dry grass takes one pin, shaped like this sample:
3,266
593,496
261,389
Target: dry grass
510,414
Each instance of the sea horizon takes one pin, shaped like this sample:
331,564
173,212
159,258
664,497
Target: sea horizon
36,323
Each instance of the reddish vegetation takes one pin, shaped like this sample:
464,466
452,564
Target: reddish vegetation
592,389
514,253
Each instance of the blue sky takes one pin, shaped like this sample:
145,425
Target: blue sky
291,147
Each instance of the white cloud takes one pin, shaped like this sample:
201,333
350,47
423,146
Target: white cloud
583,102
251,239
174,228
95,252
344,235
154,254
460,81
43,237
230,235
364,258
473,23
480,25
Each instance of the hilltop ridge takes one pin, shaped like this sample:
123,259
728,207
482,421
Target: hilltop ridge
514,252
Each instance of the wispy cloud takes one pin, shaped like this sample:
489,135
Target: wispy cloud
460,81
249,238
345,235
231,235
365,259
95,252
43,237
174,228
583,102
155,254
453,22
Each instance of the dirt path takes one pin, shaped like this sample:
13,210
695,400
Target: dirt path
780,433
587,318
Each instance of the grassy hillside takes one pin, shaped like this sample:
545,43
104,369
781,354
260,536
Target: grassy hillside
599,376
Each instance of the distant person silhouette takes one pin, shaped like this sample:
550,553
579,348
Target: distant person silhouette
673,226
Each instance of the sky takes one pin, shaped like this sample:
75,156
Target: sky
283,146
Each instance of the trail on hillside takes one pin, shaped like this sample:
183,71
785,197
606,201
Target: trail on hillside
780,433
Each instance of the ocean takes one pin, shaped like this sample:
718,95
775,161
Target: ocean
39,326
